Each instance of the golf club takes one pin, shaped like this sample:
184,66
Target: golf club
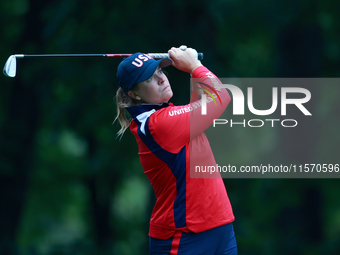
11,63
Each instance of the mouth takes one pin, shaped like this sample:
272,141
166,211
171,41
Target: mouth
166,87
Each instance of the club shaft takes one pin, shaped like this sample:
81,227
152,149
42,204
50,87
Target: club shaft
59,55
153,55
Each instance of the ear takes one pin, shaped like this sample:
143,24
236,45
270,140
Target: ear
134,95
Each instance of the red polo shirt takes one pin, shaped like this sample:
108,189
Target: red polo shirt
170,139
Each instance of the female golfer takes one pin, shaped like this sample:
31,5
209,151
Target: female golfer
192,215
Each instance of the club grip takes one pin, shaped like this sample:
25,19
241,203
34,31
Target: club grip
200,56
166,55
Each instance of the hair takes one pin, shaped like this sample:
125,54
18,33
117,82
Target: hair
123,101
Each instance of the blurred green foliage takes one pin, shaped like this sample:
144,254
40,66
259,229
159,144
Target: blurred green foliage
68,186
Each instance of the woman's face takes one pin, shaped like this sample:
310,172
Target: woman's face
154,90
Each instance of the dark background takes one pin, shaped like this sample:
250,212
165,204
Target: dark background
68,186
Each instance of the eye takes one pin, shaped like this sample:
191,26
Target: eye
150,79
160,71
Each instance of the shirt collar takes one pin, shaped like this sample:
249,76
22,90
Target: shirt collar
138,109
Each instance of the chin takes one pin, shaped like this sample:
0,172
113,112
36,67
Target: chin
170,96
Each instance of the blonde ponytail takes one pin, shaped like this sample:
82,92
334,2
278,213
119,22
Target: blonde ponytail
123,101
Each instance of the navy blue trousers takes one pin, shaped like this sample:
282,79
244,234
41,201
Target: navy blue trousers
216,241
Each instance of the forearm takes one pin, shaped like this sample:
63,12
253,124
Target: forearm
198,121
196,91
204,81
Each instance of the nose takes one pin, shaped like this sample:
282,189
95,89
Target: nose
160,79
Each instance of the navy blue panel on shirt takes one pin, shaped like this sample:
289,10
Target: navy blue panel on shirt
177,164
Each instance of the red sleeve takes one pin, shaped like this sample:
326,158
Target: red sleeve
199,122
174,126
170,127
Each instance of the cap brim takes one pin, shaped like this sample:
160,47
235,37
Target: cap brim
165,62
149,71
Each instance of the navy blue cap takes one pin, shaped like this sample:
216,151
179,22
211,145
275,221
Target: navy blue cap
137,68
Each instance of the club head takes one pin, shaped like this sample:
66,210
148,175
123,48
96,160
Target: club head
10,68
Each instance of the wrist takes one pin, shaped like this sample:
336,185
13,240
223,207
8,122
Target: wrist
196,66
